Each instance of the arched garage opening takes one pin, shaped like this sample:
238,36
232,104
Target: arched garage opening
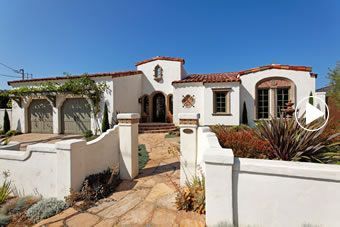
75,116
40,116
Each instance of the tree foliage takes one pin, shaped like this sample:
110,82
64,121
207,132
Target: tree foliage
334,76
105,122
82,86
311,99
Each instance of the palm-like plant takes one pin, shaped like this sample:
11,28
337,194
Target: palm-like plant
290,142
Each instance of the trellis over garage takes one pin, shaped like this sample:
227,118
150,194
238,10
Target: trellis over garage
160,88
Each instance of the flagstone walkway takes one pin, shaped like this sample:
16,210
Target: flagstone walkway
149,200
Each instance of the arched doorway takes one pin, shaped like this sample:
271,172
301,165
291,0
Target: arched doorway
158,108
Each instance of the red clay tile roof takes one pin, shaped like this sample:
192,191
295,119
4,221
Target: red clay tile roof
161,58
105,74
210,78
276,66
235,76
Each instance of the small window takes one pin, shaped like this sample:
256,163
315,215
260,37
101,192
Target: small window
158,73
282,95
221,101
262,103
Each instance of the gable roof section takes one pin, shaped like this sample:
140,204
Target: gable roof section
210,78
160,58
276,66
94,75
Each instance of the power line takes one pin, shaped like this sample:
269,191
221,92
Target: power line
14,70
12,76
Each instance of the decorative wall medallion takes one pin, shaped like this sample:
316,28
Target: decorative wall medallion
188,101
188,131
158,73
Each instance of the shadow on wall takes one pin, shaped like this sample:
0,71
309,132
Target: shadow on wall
250,103
19,126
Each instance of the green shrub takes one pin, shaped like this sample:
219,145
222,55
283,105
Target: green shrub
4,219
95,187
143,156
7,125
12,133
45,208
2,132
88,134
105,122
18,205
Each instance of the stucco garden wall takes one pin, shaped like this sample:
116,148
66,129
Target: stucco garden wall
254,192
304,84
53,169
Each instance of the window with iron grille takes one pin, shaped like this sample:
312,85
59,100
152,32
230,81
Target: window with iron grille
262,103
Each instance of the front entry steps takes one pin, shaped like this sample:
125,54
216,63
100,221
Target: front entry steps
156,127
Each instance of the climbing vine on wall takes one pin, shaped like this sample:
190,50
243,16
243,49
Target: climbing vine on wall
82,86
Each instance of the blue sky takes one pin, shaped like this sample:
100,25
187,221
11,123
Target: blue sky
48,38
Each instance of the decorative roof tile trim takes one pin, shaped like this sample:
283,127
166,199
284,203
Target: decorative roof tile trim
105,74
276,66
210,78
161,58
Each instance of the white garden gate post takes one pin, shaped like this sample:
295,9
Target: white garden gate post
128,142
188,125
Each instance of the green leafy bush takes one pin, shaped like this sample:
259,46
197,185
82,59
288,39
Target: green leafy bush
143,156
12,133
7,125
105,122
45,208
88,134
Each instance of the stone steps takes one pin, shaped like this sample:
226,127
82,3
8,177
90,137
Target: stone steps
156,127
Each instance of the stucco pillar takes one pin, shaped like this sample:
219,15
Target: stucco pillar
219,186
188,123
128,142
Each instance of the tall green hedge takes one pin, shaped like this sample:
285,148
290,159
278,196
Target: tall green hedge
105,122
6,125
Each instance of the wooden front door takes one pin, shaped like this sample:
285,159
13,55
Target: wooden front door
158,107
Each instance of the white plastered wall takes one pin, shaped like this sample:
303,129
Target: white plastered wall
304,84
204,98
172,70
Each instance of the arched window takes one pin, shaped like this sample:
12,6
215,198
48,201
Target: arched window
158,73
272,95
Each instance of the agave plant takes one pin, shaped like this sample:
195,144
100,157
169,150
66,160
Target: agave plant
290,142
5,188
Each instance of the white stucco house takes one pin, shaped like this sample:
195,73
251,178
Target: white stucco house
160,88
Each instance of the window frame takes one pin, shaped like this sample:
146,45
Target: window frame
258,106
227,107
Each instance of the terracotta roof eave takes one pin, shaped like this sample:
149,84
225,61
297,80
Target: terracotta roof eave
160,58
107,74
274,66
